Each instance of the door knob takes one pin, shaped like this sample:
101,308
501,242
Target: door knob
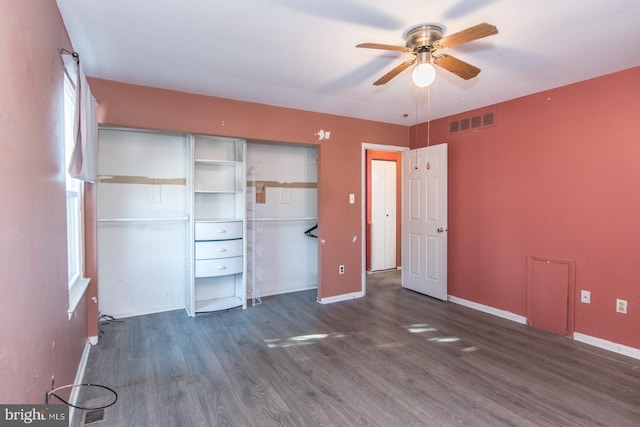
441,230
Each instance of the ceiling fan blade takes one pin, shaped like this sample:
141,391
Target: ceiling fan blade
384,47
456,66
472,33
391,74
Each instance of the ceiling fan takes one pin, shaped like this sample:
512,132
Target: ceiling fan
426,42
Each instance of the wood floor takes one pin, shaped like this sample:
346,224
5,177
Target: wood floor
392,358
383,281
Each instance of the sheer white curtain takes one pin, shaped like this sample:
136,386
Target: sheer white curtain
84,156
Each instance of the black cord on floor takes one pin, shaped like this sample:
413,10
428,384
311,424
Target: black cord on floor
52,393
105,319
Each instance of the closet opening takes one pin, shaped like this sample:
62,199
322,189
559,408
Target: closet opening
282,218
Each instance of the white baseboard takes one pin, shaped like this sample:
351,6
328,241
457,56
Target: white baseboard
596,342
269,292
607,345
490,310
82,366
338,298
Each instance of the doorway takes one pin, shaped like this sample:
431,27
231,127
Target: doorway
381,271
382,252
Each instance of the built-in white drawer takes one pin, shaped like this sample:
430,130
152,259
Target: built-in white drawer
218,267
218,230
218,249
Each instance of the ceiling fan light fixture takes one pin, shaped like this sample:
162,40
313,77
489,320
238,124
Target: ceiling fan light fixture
425,41
423,74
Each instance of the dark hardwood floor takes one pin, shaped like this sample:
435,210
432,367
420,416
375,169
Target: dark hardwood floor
392,358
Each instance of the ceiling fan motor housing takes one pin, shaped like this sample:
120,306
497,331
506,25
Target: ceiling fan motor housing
423,36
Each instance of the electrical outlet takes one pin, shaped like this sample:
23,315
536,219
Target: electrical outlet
285,196
585,297
154,193
341,269
621,306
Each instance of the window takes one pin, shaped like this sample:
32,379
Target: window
77,284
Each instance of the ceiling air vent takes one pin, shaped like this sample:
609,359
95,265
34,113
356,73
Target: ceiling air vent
474,122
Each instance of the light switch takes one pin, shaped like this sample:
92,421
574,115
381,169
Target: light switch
585,297
352,198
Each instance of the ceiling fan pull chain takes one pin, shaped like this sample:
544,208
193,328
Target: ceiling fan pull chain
428,125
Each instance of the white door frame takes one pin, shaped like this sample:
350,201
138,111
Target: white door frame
363,205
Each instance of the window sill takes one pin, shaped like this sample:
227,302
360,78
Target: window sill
76,292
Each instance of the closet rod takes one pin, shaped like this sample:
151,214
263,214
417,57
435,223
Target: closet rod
142,219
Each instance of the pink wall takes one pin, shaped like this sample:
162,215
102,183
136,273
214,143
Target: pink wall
558,176
37,339
339,157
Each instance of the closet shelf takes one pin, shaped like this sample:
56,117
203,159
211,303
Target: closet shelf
306,218
217,162
218,191
218,304
213,219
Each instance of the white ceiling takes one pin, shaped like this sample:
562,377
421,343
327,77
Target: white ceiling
301,53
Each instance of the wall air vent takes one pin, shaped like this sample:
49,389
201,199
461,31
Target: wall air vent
474,122
487,119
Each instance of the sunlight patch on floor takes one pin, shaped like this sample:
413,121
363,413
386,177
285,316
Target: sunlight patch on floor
445,339
420,328
301,340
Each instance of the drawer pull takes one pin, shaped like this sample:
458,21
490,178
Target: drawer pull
221,250
221,267
221,231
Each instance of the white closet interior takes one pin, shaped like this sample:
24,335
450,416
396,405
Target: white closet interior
282,203
151,199
142,222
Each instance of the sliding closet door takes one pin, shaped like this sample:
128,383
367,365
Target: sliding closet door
142,222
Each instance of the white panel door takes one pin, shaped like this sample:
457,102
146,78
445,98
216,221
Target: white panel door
424,221
383,215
